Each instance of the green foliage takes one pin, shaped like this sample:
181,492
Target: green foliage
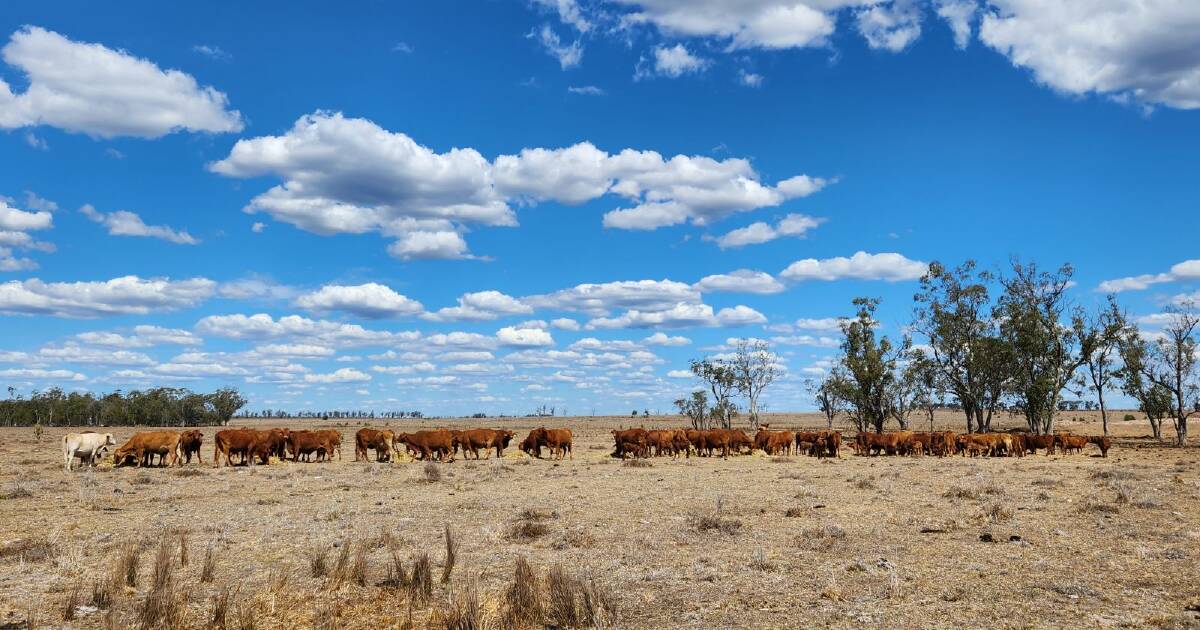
869,379
159,406
695,408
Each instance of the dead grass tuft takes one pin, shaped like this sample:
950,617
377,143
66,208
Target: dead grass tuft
164,605
127,562
997,513
638,462
218,618
188,472
522,602
451,557
795,512
465,612
714,522
317,565
16,490
420,581
820,537
71,602
760,562
432,472
1112,474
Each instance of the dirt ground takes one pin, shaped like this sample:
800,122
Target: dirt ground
751,542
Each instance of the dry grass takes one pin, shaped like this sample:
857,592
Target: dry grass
432,472
128,561
451,555
638,462
16,490
164,605
208,567
849,542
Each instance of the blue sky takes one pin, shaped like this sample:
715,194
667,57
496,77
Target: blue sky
461,207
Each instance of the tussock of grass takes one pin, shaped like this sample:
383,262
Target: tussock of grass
432,473
522,602
715,523
637,462
16,490
28,550
451,557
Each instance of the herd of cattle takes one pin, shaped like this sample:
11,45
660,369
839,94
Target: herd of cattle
254,446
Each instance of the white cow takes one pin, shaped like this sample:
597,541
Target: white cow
88,447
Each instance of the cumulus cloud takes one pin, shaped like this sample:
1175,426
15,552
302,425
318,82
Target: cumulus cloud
772,24
346,175
370,300
120,296
679,374
480,306
796,225
861,266
671,61
42,375
1144,50
806,340
15,225
565,323
890,26
143,336
125,223
512,336
1186,270
820,323
750,79
959,16
298,350
342,375
662,339
255,287
95,90
681,316
740,281
600,299
262,326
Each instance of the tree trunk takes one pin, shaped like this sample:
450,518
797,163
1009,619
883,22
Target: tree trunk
1181,431
1103,410
970,419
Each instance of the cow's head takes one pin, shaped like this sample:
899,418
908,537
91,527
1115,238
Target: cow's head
108,440
505,438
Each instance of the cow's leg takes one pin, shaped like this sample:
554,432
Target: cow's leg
68,456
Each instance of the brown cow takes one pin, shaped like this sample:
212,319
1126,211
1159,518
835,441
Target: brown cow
634,442
718,439
382,440
1103,442
530,445
229,442
1068,442
486,439
303,444
559,441
189,444
145,445
1034,442
430,443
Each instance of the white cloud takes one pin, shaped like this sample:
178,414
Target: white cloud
300,350
263,326
370,300
662,339
411,368
1145,49
342,375
565,323
255,287
36,142
959,15
673,61
15,225
480,306
890,26
680,316
796,225
749,79
91,89
144,336
569,12
600,299
212,52
680,374
351,176
125,223
464,356
775,24
568,55
1186,270
586,90
119,296
73,353
806,340
822,323
740,281
524,337
21,221
258,227
861,266
42,375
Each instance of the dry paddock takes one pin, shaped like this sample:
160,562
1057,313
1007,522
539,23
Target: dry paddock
752,541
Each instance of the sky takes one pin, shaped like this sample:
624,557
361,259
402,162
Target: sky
462,207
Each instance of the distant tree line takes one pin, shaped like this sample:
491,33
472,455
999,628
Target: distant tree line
160,406
1015,342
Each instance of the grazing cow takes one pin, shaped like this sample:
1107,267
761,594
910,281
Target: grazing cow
660,442
382,440
86,446
805,440
695,437
230,442
530,445
486,439
1103,442
143,446
831,443
559,441
1034,442
718,439
333,442
428,444
303,444
1068,442
189,444
634,442
774,442
739,440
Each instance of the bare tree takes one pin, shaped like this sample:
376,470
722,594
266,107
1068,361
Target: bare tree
754,368
825,395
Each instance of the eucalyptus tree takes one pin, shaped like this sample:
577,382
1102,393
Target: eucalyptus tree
1106,329
1046,350
754,368
869,362
722,381
955,317
1162,372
